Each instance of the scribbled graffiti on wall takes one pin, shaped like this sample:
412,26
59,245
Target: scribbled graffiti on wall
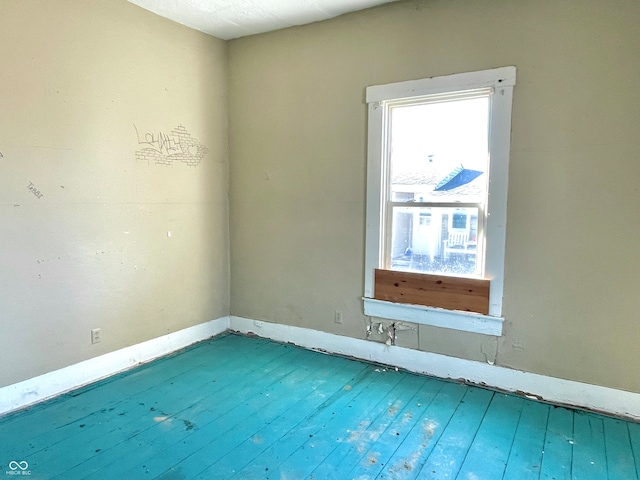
167,148
32,188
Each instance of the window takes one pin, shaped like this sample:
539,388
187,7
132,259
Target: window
438,154
425,219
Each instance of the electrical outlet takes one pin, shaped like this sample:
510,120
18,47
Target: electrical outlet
95,335
337,316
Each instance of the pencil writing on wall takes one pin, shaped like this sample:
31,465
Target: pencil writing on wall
169,148
32,188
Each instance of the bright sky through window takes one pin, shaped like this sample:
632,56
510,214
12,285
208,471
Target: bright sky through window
430,140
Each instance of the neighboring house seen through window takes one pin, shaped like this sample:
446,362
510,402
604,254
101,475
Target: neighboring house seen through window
438,155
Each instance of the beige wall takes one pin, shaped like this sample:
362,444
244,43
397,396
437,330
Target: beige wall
94,251
298,140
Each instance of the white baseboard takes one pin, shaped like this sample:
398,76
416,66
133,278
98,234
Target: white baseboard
42,387
549,389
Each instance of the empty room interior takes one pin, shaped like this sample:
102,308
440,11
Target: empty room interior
283,252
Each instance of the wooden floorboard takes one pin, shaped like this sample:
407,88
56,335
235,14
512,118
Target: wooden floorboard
163,410
620,461
121,387
383,426
634,437
314,437
93,410
237,407
209,417
558,445
452,447
525,458
589,456
295,397
293,429
310,431
431,416
492,444
159,412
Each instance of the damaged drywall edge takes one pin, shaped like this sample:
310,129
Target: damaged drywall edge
388,329
552,390
489,348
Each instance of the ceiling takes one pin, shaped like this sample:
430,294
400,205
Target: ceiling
229,19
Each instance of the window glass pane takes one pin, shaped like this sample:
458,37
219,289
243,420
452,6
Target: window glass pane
439,151
435,240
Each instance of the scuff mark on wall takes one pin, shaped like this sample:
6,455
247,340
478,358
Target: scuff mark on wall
489,349
406,335
517,345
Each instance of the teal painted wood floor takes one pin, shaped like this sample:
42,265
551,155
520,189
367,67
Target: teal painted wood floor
248,408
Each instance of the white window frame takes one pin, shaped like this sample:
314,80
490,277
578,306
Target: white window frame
378,97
